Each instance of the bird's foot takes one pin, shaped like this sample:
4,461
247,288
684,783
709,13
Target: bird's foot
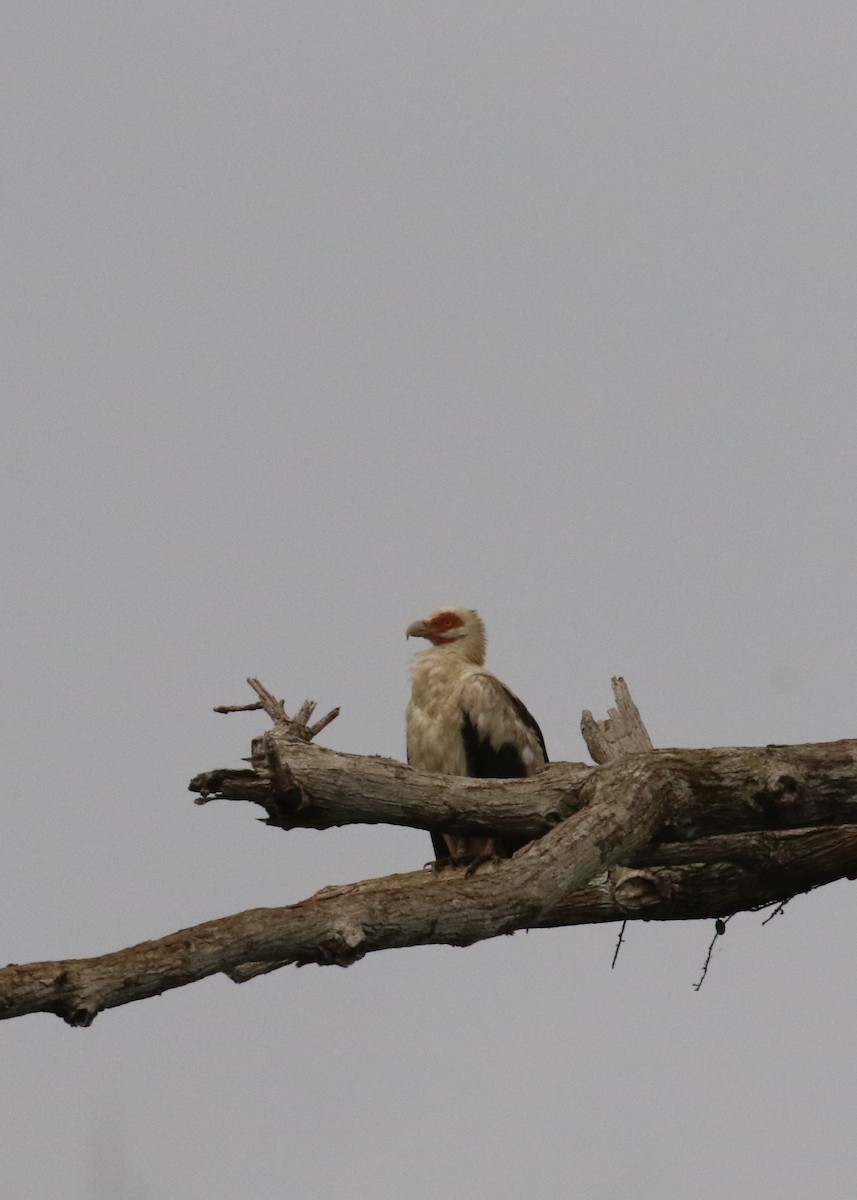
470,862
453,861
480,860
440,864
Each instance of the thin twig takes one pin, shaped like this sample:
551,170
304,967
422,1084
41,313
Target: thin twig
719,930
304,712
778,911
269,702
276,710
323,723
618,944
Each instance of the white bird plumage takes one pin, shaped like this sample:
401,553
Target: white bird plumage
461,720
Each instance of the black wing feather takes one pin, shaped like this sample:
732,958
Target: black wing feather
528,719
485,761
438,844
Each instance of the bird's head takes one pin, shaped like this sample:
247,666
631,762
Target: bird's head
458,627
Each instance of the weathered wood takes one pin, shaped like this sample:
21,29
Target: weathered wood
621,732
341,925
723,790
654,835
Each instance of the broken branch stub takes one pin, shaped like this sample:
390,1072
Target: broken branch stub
621,732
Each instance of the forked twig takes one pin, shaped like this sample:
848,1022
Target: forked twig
297,725
778,911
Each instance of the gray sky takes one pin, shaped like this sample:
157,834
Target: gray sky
320,315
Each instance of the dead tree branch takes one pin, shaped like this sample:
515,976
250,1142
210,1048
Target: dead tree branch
723,790
341,925
657,835
622,732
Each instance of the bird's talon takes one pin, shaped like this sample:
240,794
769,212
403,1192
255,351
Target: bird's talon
480,861
439,864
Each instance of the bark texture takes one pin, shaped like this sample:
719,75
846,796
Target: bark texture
644,834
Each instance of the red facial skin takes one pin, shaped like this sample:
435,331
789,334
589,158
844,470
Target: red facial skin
440,627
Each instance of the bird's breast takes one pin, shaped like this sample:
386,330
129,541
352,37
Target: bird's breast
434,721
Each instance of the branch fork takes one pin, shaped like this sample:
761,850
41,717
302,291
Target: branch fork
644,834
297,726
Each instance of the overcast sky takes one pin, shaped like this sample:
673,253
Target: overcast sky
320,315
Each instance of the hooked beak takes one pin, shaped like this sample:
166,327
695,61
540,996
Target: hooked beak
417,629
